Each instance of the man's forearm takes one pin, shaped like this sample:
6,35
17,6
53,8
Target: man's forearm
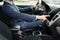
25,10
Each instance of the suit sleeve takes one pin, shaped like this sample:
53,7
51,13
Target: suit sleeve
25,10
17,15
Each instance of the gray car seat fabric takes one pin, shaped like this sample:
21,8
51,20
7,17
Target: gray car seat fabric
2,37
5,32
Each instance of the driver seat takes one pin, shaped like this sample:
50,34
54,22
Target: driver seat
5,33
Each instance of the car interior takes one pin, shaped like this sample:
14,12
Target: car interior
51,32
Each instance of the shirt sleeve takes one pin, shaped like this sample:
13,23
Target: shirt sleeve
17,15
25,10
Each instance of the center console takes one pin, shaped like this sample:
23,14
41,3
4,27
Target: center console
55,20
54,26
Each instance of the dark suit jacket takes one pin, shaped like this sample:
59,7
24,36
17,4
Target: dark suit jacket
17,14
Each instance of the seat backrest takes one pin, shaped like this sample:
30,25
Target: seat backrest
5,18
2,37
5,32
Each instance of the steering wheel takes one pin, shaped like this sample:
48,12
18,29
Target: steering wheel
43,9
46,6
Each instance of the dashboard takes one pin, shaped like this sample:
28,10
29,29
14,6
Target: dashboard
55,20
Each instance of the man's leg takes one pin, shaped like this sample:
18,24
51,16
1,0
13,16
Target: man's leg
29,25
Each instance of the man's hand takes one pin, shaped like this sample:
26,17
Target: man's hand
36,6
43,17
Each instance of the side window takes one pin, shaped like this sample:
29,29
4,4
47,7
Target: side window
25,2
56,2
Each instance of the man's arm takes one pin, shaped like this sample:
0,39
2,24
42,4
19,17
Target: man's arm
28,9
25,10
17,15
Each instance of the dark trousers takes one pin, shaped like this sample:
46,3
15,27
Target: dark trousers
29,25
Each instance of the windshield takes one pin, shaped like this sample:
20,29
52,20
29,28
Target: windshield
52,1
25,2
32,2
